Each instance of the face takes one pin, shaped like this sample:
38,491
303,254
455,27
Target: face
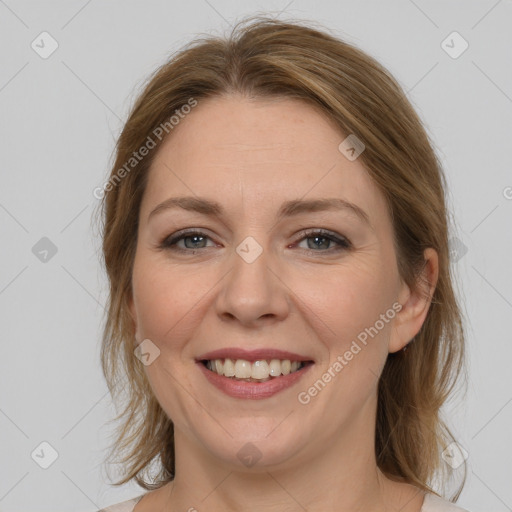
255,278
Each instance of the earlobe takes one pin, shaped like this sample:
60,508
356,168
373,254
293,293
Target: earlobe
415,303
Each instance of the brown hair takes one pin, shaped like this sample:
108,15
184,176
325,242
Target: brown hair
263,57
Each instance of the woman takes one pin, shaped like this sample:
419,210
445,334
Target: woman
282,322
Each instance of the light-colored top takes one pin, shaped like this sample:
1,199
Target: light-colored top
431,503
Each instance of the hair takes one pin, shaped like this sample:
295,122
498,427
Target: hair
267,58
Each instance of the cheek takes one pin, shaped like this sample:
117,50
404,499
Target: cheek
165,302
353,315
348,300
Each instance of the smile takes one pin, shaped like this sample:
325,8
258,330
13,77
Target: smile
258,371
253,374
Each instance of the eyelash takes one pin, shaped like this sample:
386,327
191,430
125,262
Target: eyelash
169,243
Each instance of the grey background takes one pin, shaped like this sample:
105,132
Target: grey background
60,117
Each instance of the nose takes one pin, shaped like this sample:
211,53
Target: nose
253,292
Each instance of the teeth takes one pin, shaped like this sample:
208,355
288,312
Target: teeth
260,370
243,369
275,368
229,368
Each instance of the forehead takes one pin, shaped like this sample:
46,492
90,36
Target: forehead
261,152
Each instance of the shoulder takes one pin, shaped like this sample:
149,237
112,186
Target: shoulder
434,503
125,506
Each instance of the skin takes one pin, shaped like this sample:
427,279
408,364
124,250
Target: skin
251,156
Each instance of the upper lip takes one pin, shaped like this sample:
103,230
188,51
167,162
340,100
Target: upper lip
252,355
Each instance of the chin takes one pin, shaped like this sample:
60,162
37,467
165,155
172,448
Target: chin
254,444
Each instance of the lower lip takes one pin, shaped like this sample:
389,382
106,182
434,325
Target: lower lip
253,390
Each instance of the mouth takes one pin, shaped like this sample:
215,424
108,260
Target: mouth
253,374
261,370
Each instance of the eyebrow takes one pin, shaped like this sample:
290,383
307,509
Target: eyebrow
288,208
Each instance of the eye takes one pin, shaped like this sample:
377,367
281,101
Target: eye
198,240
321,238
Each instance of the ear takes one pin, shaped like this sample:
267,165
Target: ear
415,303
